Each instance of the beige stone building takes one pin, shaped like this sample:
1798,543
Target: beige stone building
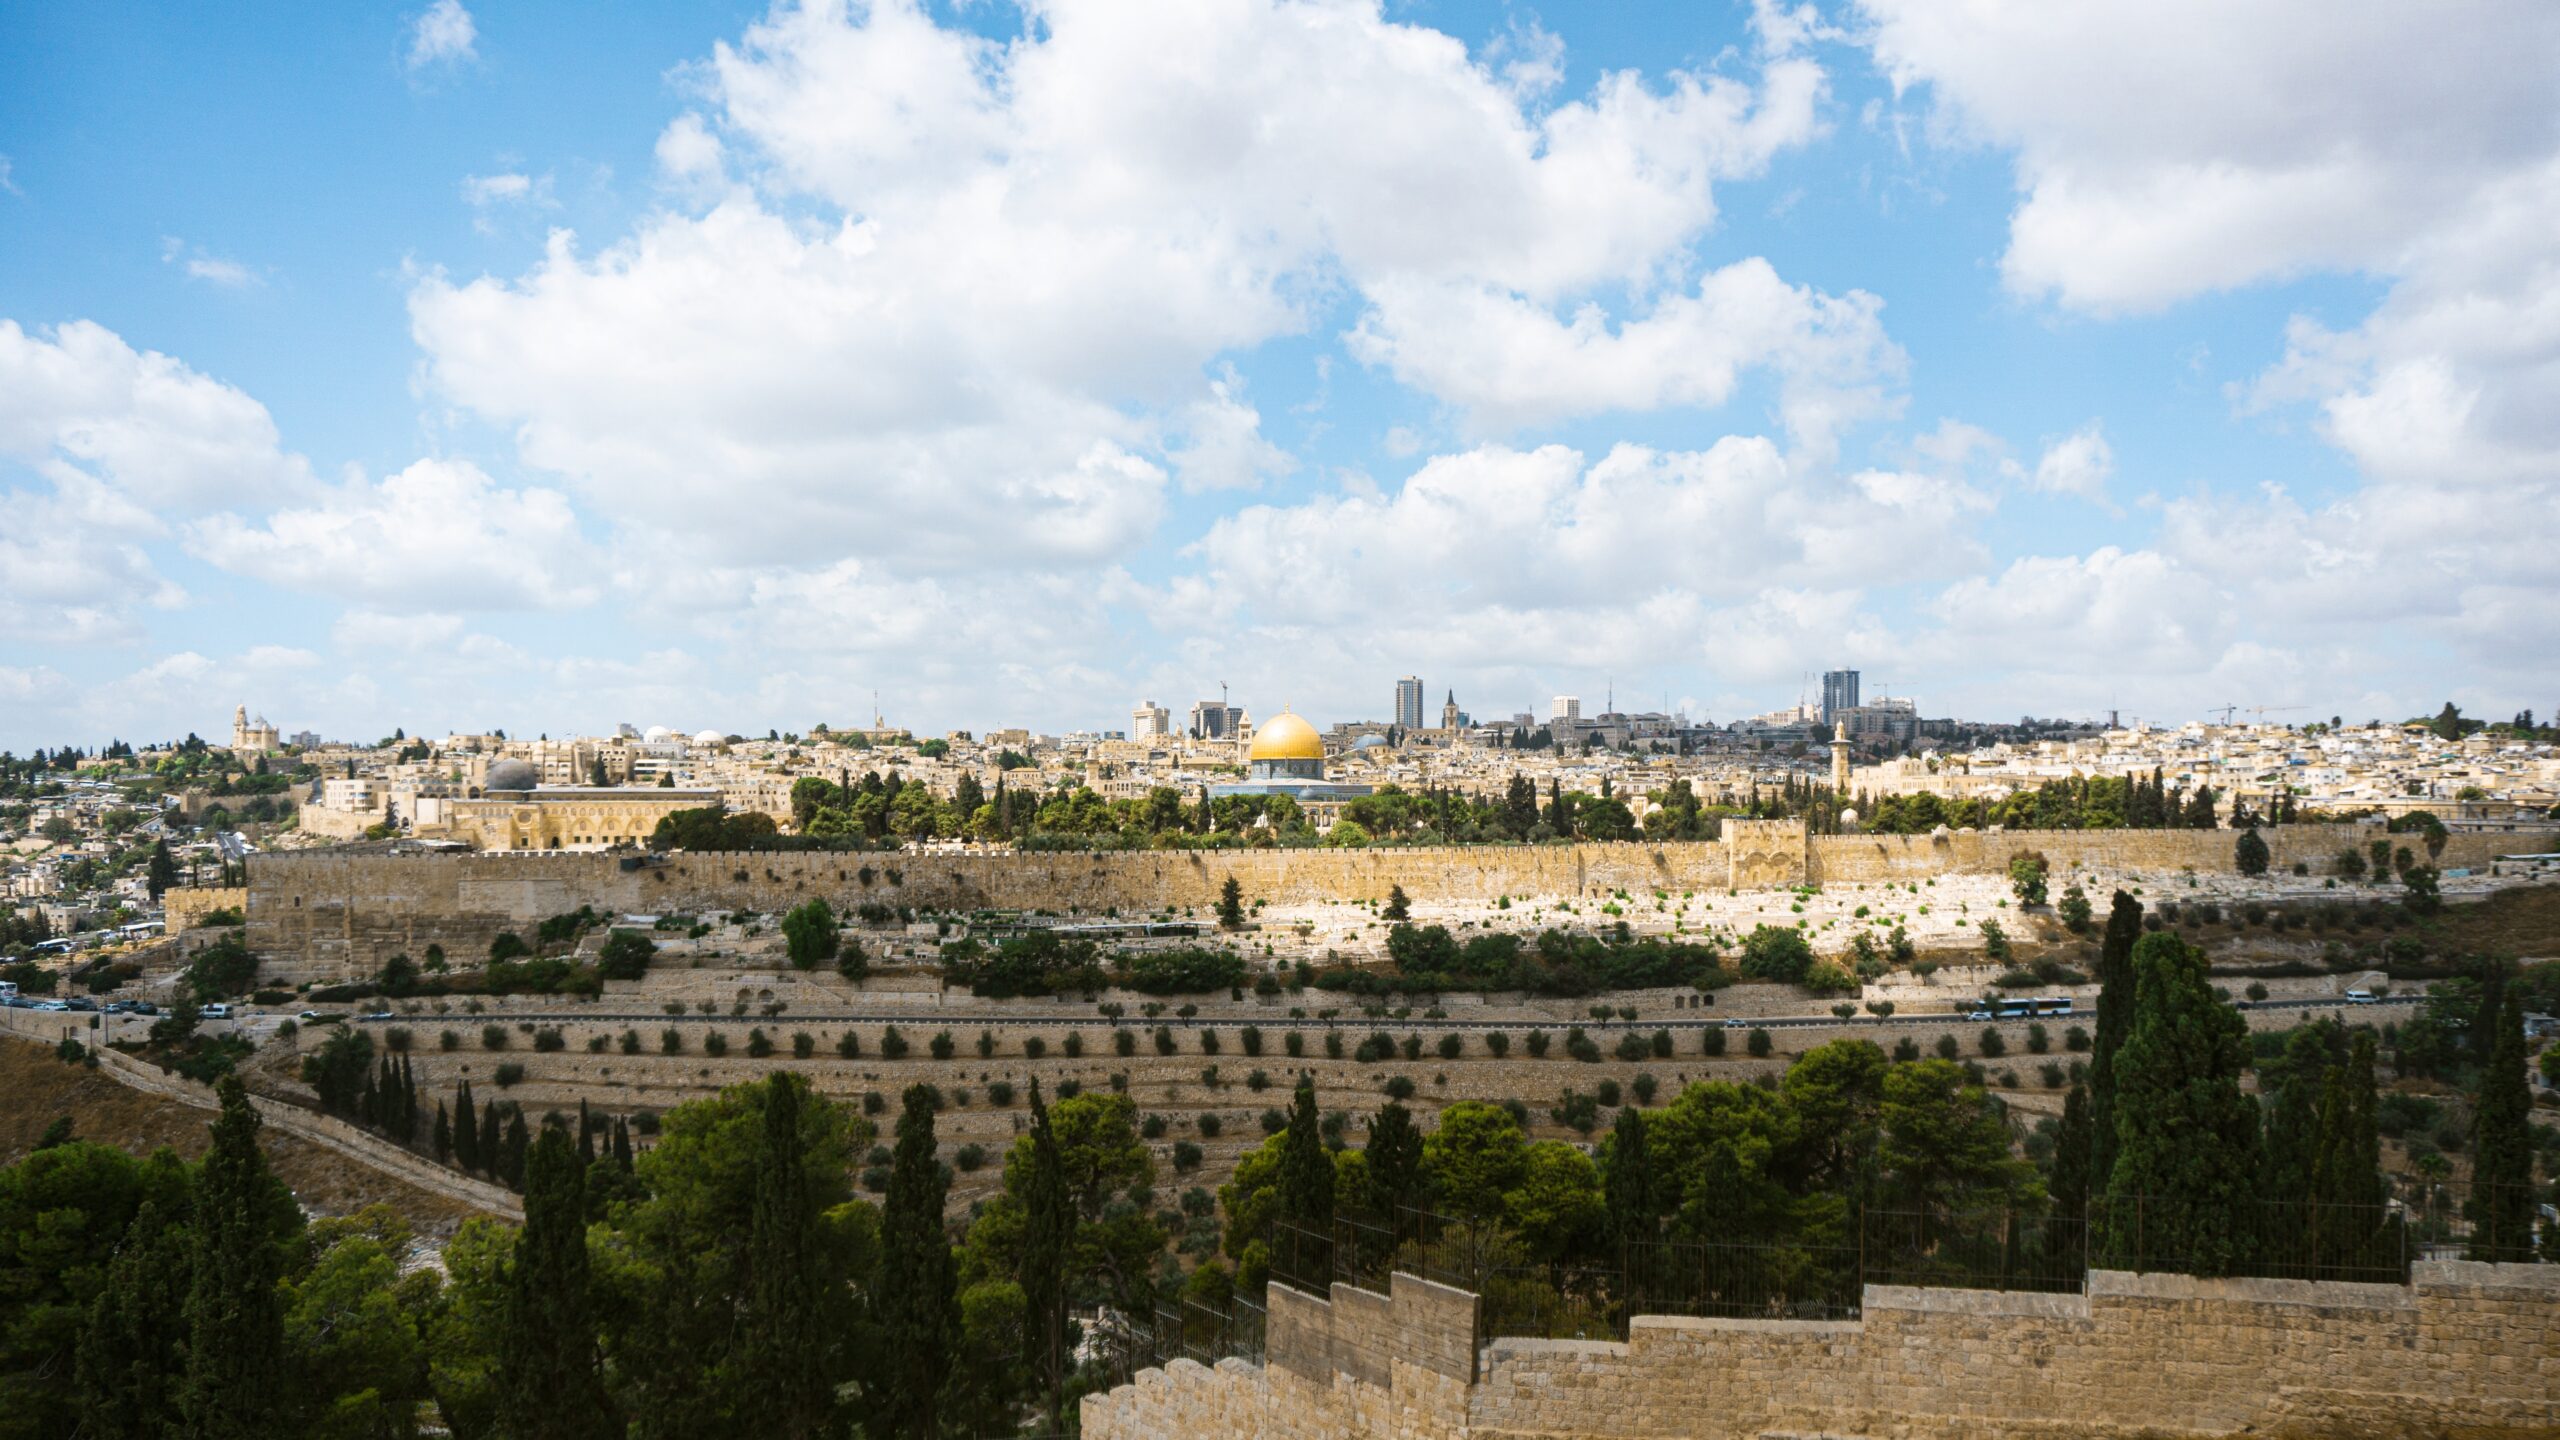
569,817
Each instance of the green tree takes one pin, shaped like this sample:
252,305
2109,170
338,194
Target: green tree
1627,1180
549,1386
809,933
1398,907
2186,1137
785,1319
2115,1017
1048,1228
1945,1141
2068,1183
1475,1157
1306,1176
1393,1169
163,870
2502,1147
1231,904
129,1369
2026,878
235,1317
2249,853
915,1323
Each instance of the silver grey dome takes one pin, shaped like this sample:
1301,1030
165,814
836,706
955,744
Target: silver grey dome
513,775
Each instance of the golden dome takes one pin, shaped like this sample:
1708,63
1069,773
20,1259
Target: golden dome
1286,737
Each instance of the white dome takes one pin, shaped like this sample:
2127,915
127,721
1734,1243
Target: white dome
1848,817
656,734
710,737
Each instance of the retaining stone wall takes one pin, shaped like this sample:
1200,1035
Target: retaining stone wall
2465,1349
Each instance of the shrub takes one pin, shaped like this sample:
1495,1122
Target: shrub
1124,1042
941,1045
1208,1042
1538,1044
1073,1045
1711,1044
2038,1041
1186,1157
448,1041
759,1045
1993,1047
969,1159
1399,1087
1295,1044
1758,1043
715,1044
999,1093
630,1044
2075,1039
893,1046
803,1044
2257,990
986,1044
1211,1123
1333,1044
1250,1037
396,1039
849,1045
1608,1093
1906,1049
625,956
2051,1073
1581,1047
509,1074
1151,1126
1273,1122
1772,952
1949,1047
1033,1047
493,1037
549,1039
1632,1046
1497,1044
2075,910
1412,1047
1164,1039
670,1041
1644,1086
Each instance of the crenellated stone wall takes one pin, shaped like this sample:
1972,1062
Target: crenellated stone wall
325,914
2465,1349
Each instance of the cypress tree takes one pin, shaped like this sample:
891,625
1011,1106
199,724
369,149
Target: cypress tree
513,1157
466,1130
912,1298
1394,1155
2502,1148
443,1135
586,1134
408,1101
1048,1229
784,1327
2350,1227
235,1318
2296,1133
1306,1185
2186,1137
2065,1239
1627,1184
127,1368
2115,1015
493,1141
549,1384
622,1144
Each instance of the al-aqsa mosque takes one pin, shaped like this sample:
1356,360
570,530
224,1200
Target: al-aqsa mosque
1287,758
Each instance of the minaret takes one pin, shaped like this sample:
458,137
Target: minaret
1840,760
1449,712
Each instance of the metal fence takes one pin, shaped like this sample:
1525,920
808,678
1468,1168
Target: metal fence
1822,1271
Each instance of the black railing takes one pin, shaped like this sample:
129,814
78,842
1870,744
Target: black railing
1594,1290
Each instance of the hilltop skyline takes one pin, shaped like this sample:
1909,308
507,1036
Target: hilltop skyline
402,364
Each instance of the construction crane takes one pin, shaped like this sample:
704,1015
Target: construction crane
2263,711
2225,711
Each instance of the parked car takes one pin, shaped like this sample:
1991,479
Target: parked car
215,1011
2362,996
143,1007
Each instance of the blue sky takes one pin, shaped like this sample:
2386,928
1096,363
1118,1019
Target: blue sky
542,367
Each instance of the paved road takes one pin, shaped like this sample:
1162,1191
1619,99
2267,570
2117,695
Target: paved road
959,1020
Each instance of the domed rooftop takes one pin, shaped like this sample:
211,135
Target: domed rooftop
1286,737
707,738
513,775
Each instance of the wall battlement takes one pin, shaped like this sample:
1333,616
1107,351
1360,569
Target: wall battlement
331,914
2465,1349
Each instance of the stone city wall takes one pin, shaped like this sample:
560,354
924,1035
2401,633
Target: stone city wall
184,910
324,914
2465,1349
1842,859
